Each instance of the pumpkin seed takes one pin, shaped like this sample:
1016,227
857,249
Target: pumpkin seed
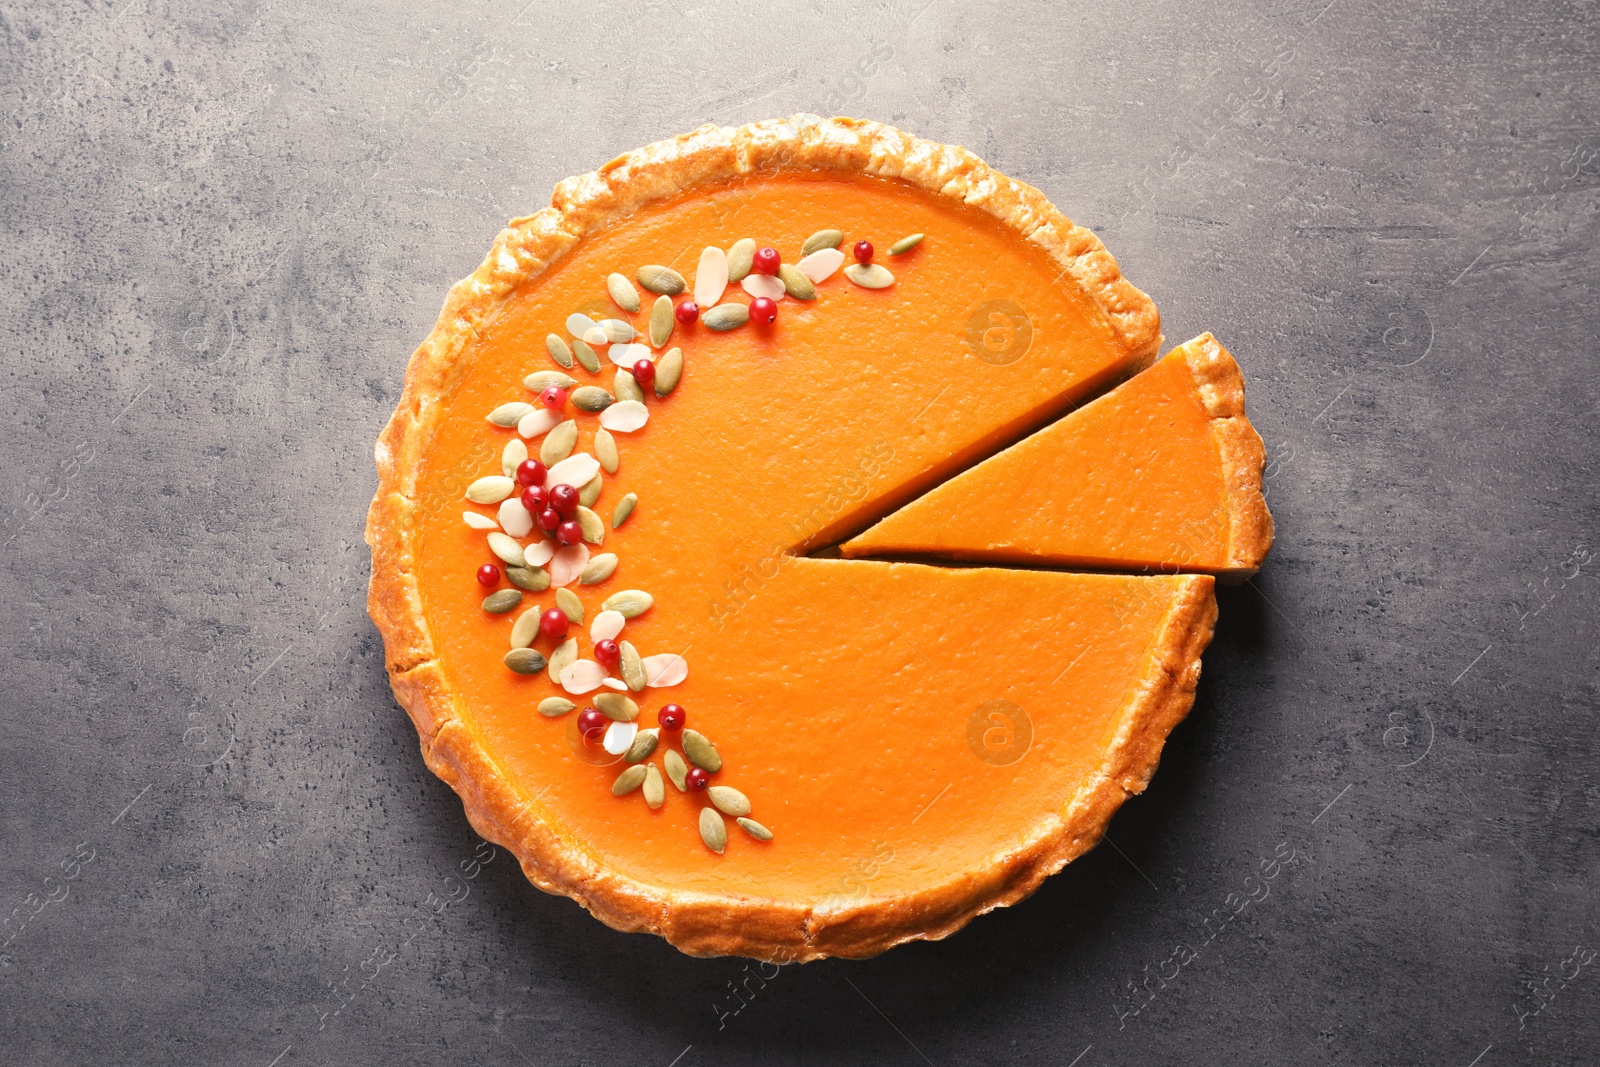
540,380
795,283
586,357
663,280
630,603
550,707
617,331
565,655
740,258
558,444
643,747
822,239
869,275
590,492
906,244
617,706
569,604
632,667
726,317
627,386
655,794
628,781
598,569
622,291
506,548
509,414
668,370
560,351
490,489
729,800
605,450
677,770
701,752
502,601
624,508
525,631
533,579
713,830
755,829
512,456
592,525
591,398
661,321
525,660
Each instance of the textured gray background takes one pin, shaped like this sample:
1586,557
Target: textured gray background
227,224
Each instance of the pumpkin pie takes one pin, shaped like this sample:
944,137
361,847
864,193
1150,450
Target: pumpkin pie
602,540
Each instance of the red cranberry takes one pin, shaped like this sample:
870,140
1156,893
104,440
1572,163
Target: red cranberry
766,261
553,624
564,498
687,312
863,251
592,725
569,533
553,397
644,372
530,472
488,576
533,498
697,778
671,717
763,310
549,520
608,654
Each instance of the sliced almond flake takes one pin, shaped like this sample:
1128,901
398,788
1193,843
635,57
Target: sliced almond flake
514,518
582,676
595,337
711,277
624,416
580,325
607,625
618,331
579,470
819,266
619,735
615,683
767,285
628,355
539,553
669,668
567,564
539,421
479,522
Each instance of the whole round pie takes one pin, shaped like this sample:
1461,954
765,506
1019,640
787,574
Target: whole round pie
789,544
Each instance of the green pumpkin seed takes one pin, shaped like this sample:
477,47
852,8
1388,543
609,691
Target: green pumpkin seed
624,508
728,800
591,490
510,414
560,351
655,794
755,829
617,331
539,381
677,770
591,398
622,291
616,706
643,747
525,660
740,258
569,604
506,548
661,321
511,457
795,283
701,752
490,489
822,239
725,317
586,357
668,370
630,602
627,386
713,830
501,601
628,781
598,569
525,631
869,275
533,579
565,655
663,280
632,666
906,244
550,707
592,525
559,443
605,450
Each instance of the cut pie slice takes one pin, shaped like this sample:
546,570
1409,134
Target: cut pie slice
1161,473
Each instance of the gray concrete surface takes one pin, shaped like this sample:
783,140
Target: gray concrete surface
227,224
